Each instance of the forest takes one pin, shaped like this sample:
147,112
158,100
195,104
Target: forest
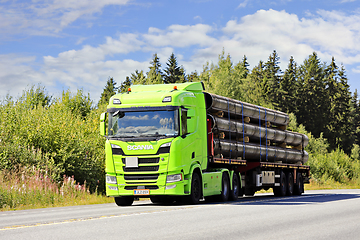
59,136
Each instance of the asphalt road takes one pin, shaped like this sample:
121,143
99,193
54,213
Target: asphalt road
331,214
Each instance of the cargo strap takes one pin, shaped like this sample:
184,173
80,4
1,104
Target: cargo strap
243,128
266,141
229,127
260,132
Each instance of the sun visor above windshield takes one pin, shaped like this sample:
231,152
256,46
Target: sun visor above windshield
143,109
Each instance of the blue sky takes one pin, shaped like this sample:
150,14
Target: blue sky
79,44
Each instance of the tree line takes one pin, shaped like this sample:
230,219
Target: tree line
316,92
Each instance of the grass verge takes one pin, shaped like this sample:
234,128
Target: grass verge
31,188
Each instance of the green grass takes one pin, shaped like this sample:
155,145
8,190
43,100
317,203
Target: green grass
29,189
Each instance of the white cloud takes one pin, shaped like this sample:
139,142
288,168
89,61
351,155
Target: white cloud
42,17
243,4
180,36
16,73
329,33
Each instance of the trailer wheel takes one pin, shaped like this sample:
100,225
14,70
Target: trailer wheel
290,184
299,186
234,193
124,201
195,193
225,188
280,191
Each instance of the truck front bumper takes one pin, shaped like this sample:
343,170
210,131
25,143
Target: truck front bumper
159,187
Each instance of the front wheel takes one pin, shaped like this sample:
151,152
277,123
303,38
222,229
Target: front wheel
195,193
124,201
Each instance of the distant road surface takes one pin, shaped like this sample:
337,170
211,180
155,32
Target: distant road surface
328,214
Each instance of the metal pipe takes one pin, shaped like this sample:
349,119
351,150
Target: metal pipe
288,137
215,102
252,152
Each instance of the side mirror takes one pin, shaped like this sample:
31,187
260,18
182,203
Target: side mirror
102,124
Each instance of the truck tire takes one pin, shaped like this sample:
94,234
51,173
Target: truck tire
124,201
290,183
281,190
225,188
195,193
234,193
299,186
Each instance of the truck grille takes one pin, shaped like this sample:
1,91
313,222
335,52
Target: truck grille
141,177
145,160
145,187
141,169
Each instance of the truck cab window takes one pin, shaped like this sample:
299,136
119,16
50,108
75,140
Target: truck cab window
184,121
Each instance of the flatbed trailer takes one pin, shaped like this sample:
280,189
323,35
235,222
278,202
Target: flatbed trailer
285,179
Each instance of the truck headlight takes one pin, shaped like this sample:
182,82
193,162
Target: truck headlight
111,179
174,178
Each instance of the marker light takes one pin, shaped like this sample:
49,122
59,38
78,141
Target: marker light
175,87
113,188
167,99
129,89
116,101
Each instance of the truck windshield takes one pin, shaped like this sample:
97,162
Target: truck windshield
143,124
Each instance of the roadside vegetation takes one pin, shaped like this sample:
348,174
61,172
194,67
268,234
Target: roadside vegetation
51,153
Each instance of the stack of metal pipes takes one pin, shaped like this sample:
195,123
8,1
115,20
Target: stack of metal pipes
246,131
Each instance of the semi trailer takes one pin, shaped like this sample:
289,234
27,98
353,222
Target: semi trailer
176,142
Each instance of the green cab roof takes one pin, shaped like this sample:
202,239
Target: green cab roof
153,95
191,86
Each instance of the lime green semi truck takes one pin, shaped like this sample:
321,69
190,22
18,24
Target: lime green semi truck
176,142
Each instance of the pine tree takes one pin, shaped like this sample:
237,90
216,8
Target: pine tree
254,91
193,77
289,88
125,85
109,90
155,75
355,117
138,78
272,79
224,78
173,72
341,112
312,107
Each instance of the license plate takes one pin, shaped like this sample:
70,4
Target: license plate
141,191
131,162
